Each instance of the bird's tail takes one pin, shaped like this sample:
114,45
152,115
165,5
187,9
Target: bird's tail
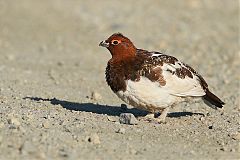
213,99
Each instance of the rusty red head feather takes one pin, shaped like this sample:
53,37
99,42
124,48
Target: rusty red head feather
119,46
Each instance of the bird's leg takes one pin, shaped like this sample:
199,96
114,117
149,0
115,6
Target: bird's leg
153,116
161,118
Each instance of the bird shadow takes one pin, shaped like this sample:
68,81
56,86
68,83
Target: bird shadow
91,107
103,109
183,114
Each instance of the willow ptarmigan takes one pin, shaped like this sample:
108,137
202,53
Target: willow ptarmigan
152,81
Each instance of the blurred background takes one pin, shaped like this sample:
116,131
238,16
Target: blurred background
36,36
50,49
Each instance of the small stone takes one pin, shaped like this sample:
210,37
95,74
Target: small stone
46,125
196,140
1,125
96,96
14,121
111,118
128,118
201,118
232,150
121,130
47,116
94,138
223,148
236,136
11,126
10,57
210,127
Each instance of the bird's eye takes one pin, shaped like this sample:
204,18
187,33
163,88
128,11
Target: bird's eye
115,42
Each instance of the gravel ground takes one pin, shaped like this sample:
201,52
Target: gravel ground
54,101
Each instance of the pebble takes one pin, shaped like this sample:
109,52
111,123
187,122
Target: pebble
94,138
201,118
1,125
232,150
111,118
223,148
210,127
46,125
196,140
96,96
10,57
236,136
128,118
121,130
14,121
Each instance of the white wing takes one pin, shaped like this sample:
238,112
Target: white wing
181,86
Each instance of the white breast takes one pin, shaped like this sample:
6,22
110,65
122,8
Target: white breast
145,93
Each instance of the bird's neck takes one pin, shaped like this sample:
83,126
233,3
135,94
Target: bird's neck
124,55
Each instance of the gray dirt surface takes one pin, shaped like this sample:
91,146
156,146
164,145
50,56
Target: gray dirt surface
55,103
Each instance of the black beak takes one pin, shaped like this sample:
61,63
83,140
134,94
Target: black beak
104,44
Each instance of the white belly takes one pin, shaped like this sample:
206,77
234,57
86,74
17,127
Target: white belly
147,95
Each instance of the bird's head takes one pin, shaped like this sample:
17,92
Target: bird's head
119,46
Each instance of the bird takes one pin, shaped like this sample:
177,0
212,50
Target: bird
152,81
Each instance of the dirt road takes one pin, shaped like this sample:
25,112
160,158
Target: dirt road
55,103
